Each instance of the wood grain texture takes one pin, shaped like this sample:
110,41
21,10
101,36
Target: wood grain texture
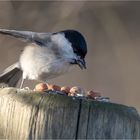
30,115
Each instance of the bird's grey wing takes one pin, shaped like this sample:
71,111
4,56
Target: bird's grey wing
33,37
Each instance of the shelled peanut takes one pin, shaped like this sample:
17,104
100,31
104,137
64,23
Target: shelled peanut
93,94
41,87
73,91
65,89
53,87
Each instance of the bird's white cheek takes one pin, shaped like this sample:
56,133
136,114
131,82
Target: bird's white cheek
68,52
64,46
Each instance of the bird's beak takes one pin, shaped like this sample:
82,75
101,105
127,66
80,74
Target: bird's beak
81,63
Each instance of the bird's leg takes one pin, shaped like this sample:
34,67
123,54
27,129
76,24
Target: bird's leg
22,82
21,85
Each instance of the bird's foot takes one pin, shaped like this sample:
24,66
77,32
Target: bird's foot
25,89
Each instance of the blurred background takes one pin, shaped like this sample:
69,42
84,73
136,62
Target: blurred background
112,31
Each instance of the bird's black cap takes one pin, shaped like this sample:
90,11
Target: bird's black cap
78,42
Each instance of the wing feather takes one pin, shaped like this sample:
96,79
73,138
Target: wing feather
28,36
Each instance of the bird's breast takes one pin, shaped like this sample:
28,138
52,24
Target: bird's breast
40,63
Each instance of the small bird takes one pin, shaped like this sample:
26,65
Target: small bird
46,55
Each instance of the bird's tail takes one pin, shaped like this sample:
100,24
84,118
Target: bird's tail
11,75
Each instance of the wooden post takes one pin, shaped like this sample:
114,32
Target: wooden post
29,115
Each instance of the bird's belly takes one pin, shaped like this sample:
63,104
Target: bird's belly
40,64
52,73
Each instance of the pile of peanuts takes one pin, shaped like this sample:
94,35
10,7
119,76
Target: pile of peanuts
73,91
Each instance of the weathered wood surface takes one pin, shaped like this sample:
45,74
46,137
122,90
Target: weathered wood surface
42,116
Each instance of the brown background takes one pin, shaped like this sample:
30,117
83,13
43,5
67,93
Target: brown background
112,30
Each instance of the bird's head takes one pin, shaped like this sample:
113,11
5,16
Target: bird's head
78,44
